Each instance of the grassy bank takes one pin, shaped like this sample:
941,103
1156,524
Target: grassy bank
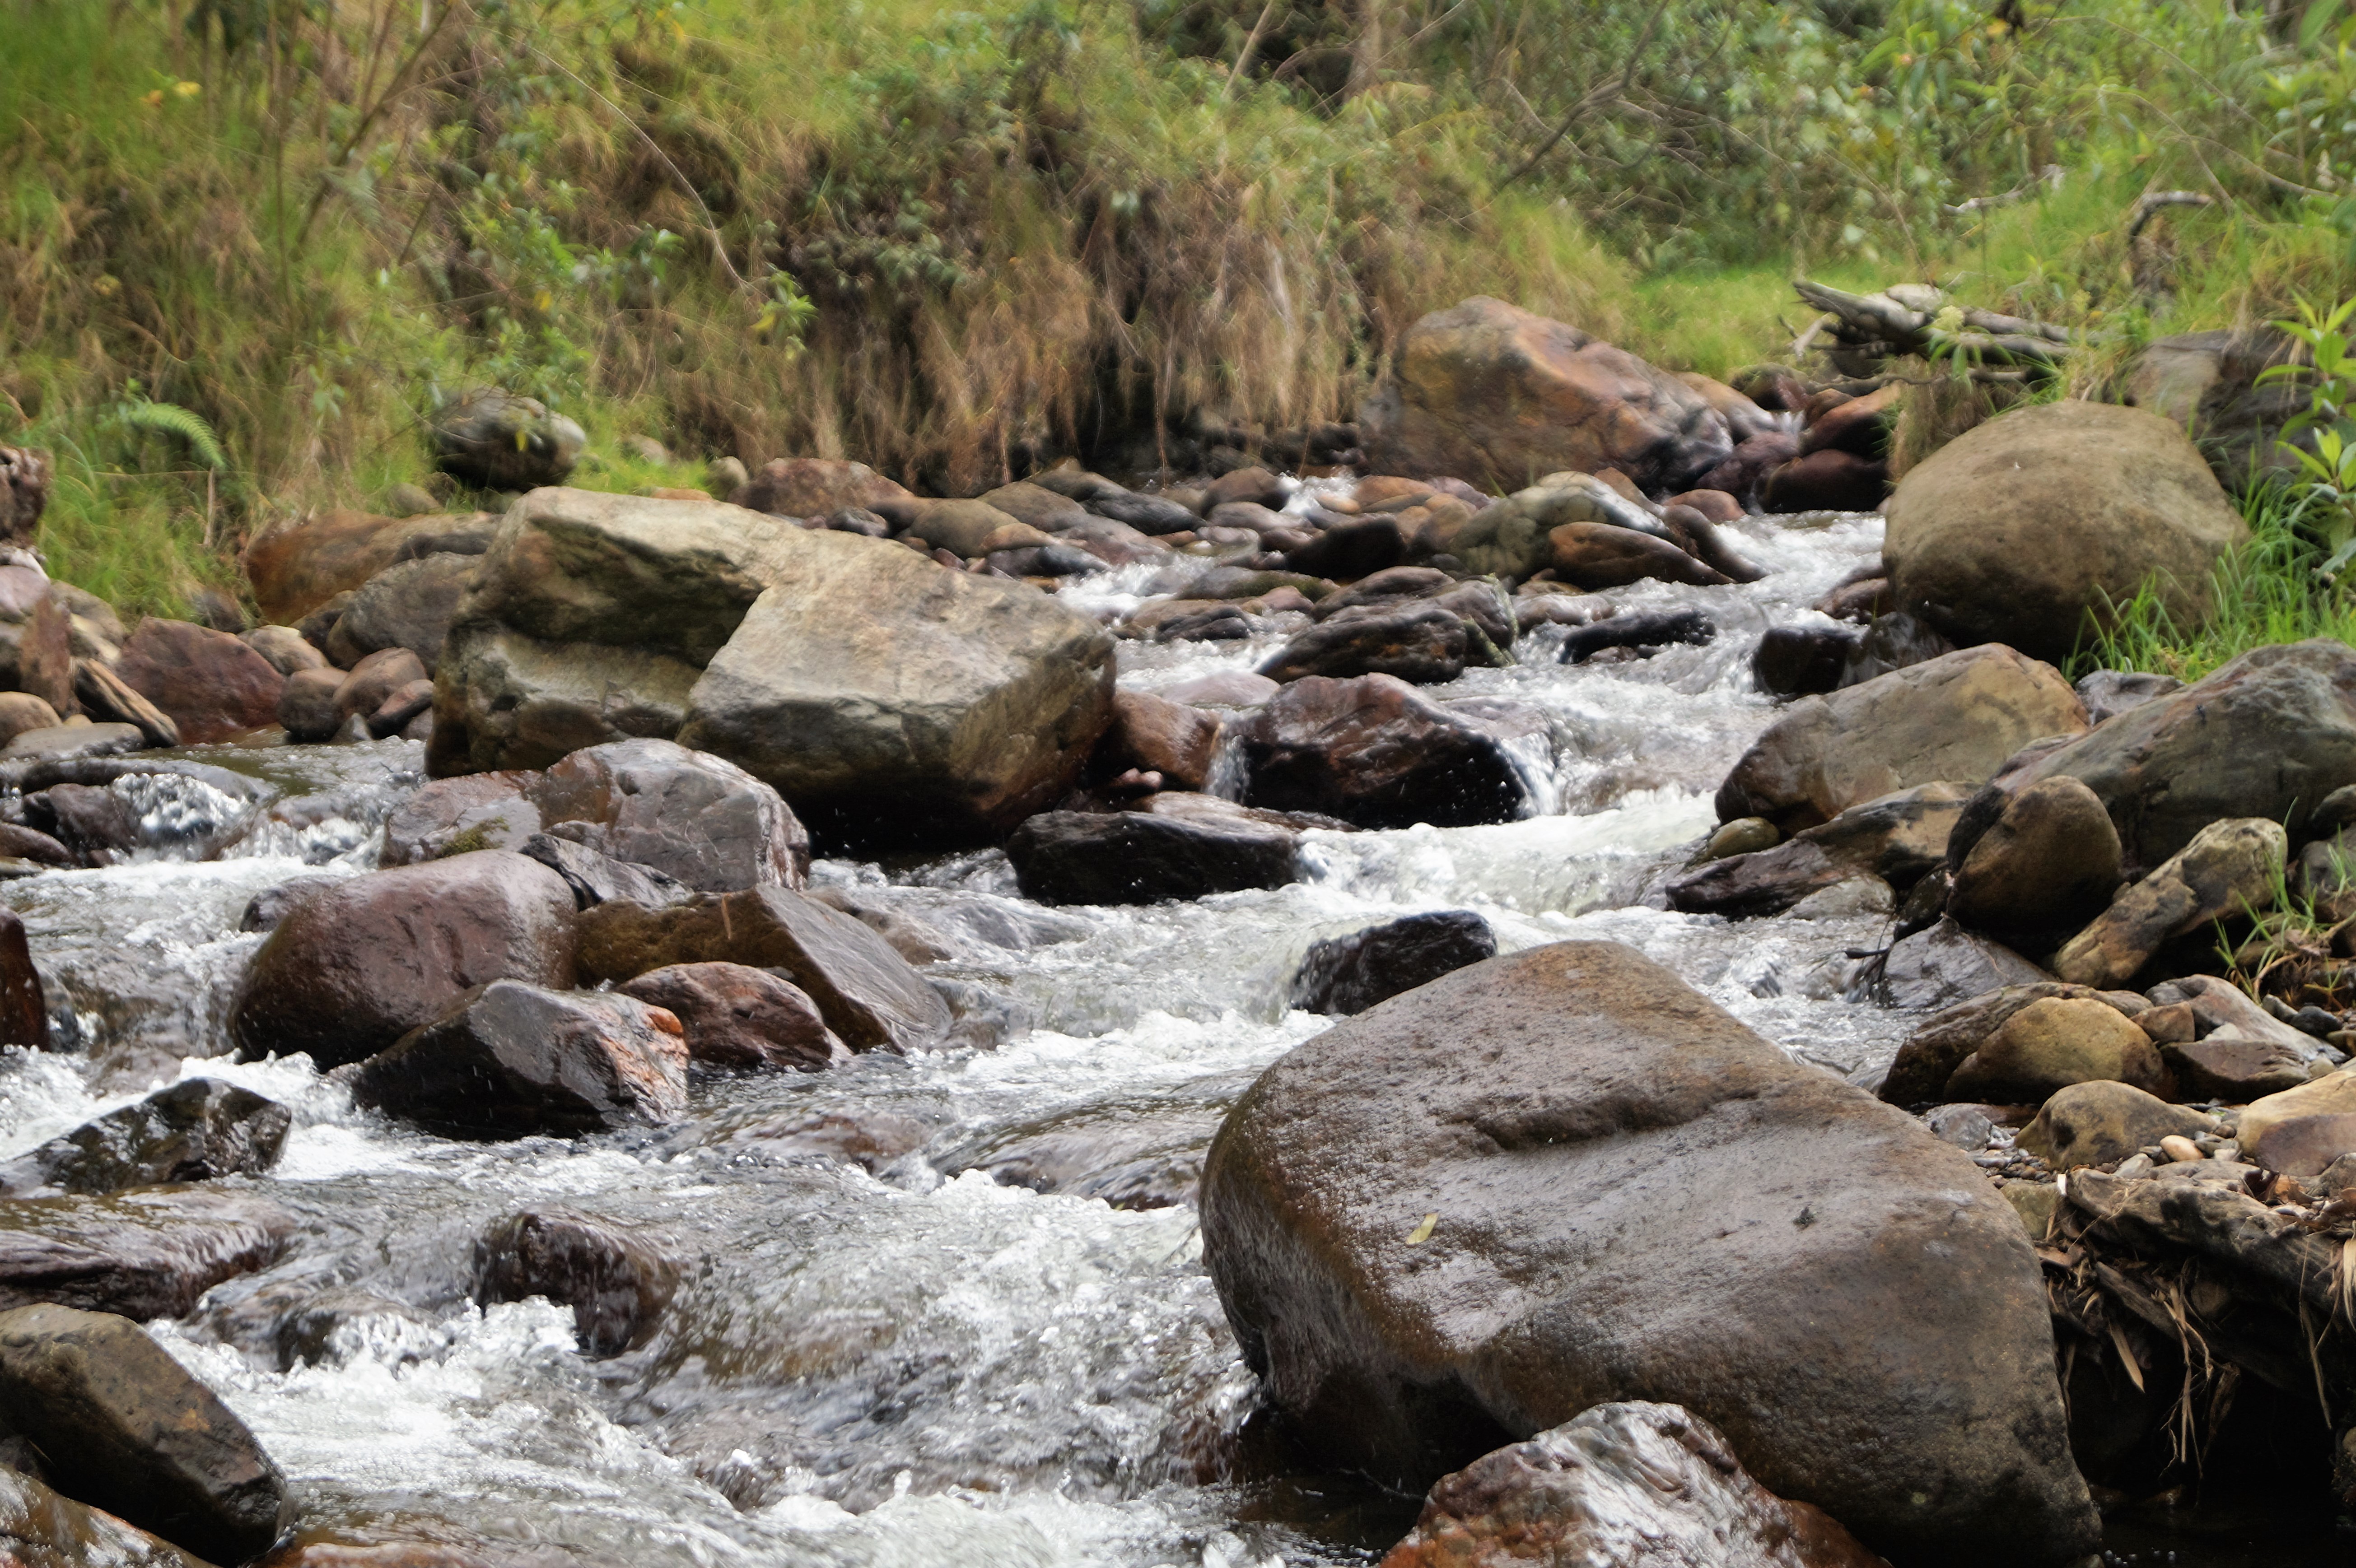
951,239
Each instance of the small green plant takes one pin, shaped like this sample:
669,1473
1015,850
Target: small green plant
138,415
2329,376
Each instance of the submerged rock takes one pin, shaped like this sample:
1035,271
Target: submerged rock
512,1060
1560,1177
144,1254
121,1425
194,1130
1623,1484
617,1282
1347,975
353,966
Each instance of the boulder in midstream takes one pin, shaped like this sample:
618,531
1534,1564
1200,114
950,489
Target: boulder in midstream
143,1254
617,1280
1146,857
1561,1178
735,1016
194,1130
1373,753
1347,975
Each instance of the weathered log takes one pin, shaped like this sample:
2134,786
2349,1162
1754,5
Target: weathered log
1879,321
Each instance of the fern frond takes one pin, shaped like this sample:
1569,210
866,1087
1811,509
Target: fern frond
171,419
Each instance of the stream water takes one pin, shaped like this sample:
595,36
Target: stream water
889,1349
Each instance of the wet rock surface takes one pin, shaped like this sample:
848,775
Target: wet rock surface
1347,975
1143,857
196,1130
735,1015
1411,1322
1620,1483
144,1254
121,1426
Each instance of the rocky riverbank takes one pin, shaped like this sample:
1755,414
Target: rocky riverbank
803,1026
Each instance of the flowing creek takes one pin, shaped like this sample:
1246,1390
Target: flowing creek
882,1353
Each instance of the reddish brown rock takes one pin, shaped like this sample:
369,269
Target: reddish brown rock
1827,481
45,655
375,678
1652,1479
816,487
296,568
209,684
1858,426
356,965
617,1281
1598,555
736,1016
143,1254
1153,734
1374,752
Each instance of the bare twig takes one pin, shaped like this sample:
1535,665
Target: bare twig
1588,99
2148,206
1251,47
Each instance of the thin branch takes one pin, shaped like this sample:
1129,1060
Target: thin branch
1589,100
1251,47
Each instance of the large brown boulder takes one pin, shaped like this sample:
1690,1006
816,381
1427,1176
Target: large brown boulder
2032,526
886,697
296,568
2268,735
1562,1178
1496,396
357,963
690,815
1957,718
208,683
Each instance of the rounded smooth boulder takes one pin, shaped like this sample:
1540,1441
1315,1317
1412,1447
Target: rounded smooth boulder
2022,529
1563,1177
356,964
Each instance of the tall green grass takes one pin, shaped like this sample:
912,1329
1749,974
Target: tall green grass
2266,592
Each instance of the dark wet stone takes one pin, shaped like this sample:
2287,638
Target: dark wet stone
123,1426
1349,973
144,1254
1646,629
1135,857
736,1016
597,879
1375,753
194,1130
617,1281
512,1060
23,1014
39,1529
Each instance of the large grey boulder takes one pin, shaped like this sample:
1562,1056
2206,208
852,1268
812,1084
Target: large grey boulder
498,441
1562,1178
2031,527
1955,717
410,604
2269,734
887,698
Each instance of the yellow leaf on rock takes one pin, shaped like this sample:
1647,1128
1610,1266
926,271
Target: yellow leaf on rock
1422,1232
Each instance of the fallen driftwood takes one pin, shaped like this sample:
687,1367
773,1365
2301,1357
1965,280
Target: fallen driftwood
1914,318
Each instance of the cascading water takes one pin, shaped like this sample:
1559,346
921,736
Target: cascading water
886,1348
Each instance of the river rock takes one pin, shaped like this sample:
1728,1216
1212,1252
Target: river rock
2049,864
2052,1043
2230,868
299,566
283,648
494,439
690,815
740,1017
1644,630
2026,528
816,487
402,706
961,527
897,702
106,697
1599,555
1897,838
1828,481
354,967
20,711
194,1130
2232,1069
23,493
511,1059
144,1254
1151,735
2102,1123
1041,507
868,994
1347,550
308,708
1498,396
597,879
2108,693
1557,1179
1929,1057
1623,1483
2217,1006
2329,1100
74,739
1375,753
2270,734
410,604
1422,643
38,1528
211,684
1143,857
1945,963
451,817
506,700
122,1425
98,824
1956,717
617,1281
1348,974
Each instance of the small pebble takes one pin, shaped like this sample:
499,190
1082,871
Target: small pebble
2134,1165
2180,1148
